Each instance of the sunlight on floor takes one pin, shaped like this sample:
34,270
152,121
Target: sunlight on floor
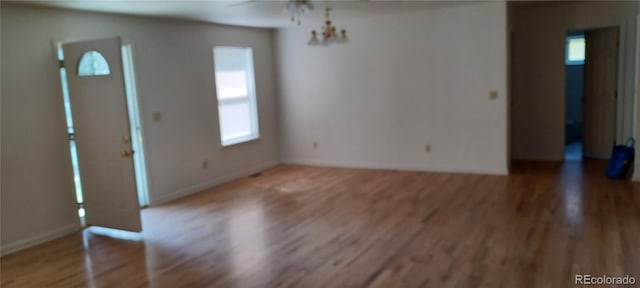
113,233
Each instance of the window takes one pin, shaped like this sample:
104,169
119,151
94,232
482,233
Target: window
92,63
235,88
575,50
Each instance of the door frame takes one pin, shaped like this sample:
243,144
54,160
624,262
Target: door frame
141,162
636,95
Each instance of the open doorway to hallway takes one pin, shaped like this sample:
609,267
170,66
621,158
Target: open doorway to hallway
574,67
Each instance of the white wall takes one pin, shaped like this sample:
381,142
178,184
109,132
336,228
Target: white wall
404,81
538,124
174,73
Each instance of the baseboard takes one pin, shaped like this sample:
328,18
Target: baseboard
211,183
39,239
394,166
533,157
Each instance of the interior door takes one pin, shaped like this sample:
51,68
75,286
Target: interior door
99,110
600,76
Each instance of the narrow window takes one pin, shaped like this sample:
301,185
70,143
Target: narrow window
235,89
575,50
71,134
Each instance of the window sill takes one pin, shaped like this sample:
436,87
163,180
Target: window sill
239,140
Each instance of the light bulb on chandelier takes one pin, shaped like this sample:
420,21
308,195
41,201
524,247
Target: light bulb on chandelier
329,33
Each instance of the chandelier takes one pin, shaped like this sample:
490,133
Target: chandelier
329,33
298,7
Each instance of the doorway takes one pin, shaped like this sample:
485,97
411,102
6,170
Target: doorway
103,85
591,93
574,71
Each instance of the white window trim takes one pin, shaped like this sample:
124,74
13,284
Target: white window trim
254,121
251,99
239,140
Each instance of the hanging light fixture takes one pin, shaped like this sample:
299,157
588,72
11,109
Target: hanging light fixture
329,33
298,7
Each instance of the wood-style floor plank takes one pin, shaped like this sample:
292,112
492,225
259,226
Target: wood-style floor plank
296,226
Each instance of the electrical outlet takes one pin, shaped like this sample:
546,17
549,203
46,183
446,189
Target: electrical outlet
315,145
493,95
427,148
157,116
205,164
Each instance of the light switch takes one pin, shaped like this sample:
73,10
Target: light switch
157,116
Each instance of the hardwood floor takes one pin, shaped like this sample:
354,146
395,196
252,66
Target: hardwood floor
297,226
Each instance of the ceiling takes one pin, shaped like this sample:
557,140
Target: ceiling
255,13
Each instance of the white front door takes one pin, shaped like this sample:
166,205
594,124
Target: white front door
101,121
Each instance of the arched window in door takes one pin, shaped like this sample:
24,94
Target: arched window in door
92,63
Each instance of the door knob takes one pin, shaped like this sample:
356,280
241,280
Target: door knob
127,153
